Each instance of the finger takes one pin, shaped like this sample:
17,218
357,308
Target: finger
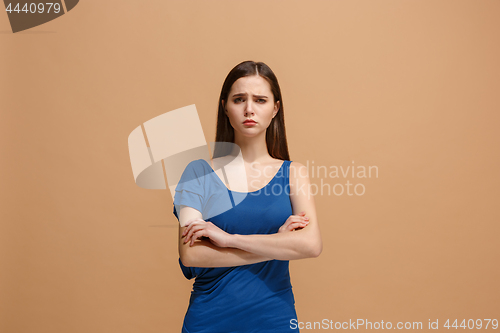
188,228
296,218
195,228
191,232
302,218
302,222
286,224
292,219
197,235
191,224
297,225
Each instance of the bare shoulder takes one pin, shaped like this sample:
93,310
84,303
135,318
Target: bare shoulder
298,171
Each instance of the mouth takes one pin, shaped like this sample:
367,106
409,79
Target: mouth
249,122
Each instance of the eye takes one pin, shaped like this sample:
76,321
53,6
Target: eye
238,100
260,100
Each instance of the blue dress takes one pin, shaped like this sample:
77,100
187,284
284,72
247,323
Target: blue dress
249,298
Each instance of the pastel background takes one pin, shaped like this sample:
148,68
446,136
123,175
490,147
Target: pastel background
408,86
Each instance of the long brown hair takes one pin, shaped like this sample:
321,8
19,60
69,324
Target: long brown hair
275,134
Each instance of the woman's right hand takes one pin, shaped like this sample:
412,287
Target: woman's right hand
294,222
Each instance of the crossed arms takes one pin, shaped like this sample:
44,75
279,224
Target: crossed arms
299,237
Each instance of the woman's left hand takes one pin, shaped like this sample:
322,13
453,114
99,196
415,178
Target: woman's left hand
198,228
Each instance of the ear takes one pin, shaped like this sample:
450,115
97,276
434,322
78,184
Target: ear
276,108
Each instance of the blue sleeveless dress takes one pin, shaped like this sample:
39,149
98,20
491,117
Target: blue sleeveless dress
249,298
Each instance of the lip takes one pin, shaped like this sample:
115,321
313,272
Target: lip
249,122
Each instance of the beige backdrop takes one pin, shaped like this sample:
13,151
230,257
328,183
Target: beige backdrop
410,87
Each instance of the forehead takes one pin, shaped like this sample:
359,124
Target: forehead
253,85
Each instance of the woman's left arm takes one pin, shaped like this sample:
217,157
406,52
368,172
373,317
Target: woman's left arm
298,244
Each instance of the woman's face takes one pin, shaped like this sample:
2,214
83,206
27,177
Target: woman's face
250,98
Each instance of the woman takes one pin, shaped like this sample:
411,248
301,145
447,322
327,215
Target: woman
240,255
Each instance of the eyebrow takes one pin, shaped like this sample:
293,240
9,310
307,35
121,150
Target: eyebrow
244,94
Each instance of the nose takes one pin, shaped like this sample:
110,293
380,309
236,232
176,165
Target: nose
248,109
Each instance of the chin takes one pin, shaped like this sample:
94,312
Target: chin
248,133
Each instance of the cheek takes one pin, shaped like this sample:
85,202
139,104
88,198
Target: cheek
231,118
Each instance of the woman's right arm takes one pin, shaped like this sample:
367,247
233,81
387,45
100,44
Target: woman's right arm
203,253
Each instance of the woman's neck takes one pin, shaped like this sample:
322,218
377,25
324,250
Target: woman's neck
253,149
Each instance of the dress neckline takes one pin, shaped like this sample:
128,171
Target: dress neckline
260,189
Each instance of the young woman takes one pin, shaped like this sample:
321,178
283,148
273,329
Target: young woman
239,255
